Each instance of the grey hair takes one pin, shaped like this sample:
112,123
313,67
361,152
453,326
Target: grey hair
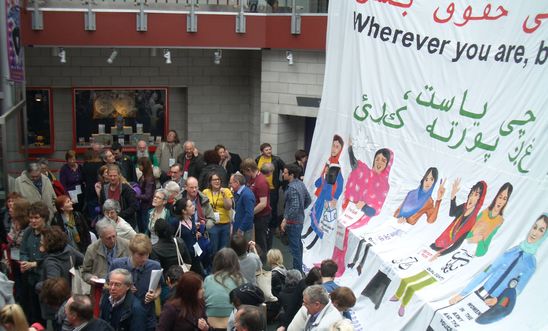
43,161
103,226
316,293
163,191
111,204
104,154
239,178
190,142
172,187
127,275
293,277
32,167
146,143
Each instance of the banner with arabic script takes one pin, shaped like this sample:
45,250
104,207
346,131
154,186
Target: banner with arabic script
428,165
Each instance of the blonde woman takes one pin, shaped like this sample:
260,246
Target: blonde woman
12,318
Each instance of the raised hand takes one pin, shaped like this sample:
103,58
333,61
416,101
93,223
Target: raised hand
455,188
441,189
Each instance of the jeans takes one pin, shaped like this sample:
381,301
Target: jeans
295,244
219,235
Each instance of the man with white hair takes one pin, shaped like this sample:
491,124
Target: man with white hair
191,160
320,312
141,150
100,254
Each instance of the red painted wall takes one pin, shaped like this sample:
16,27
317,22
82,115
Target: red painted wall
169,30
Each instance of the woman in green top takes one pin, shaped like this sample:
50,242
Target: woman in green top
226,277
490,220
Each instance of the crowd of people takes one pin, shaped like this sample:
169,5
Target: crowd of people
170,240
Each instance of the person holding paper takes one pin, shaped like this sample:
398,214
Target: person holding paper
72,179
141,269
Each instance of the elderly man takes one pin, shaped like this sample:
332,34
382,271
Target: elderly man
100,254
176,173
79,315
191,160
141,150
250,318
244,205
141,267
34,186
320,312
204,212
111,210
121,309
121,192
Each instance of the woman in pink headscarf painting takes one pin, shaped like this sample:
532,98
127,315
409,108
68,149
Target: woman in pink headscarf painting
367,188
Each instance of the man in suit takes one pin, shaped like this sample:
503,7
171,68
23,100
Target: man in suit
79,315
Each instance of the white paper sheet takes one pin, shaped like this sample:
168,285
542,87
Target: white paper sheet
155,279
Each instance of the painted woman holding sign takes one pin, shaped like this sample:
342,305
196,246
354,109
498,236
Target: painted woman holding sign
518,264
451,239
328,190
419,202
489,221
367,188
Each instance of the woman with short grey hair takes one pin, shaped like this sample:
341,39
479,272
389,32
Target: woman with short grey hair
158,211
111,208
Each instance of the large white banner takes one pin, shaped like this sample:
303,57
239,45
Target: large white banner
429,163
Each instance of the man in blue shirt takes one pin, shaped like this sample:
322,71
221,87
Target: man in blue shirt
140,268
244,205
297,200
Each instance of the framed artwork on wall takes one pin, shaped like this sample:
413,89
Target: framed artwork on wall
124,115
40,128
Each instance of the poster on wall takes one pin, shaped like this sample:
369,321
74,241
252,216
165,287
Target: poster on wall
14,44
428,163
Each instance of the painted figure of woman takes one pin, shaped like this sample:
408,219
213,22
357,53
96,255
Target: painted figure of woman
328,190
419,202
367,188
516,264
451,239
490,220
465,218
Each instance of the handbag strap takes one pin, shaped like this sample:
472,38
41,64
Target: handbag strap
179,257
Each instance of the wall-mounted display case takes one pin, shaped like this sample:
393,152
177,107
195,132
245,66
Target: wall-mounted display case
40,128
124,115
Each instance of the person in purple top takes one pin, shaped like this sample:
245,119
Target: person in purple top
72,179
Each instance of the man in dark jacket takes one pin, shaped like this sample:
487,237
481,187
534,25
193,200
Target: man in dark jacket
230,161
191,160
121,192
127,167
121,309
79,314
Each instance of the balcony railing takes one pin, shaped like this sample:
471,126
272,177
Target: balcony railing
248,6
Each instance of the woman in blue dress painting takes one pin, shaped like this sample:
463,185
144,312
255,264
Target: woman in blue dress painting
506,278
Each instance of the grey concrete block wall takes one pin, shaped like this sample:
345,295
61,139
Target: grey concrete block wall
281,85
208,103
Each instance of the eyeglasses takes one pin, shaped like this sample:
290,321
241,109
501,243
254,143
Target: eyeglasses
158,197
